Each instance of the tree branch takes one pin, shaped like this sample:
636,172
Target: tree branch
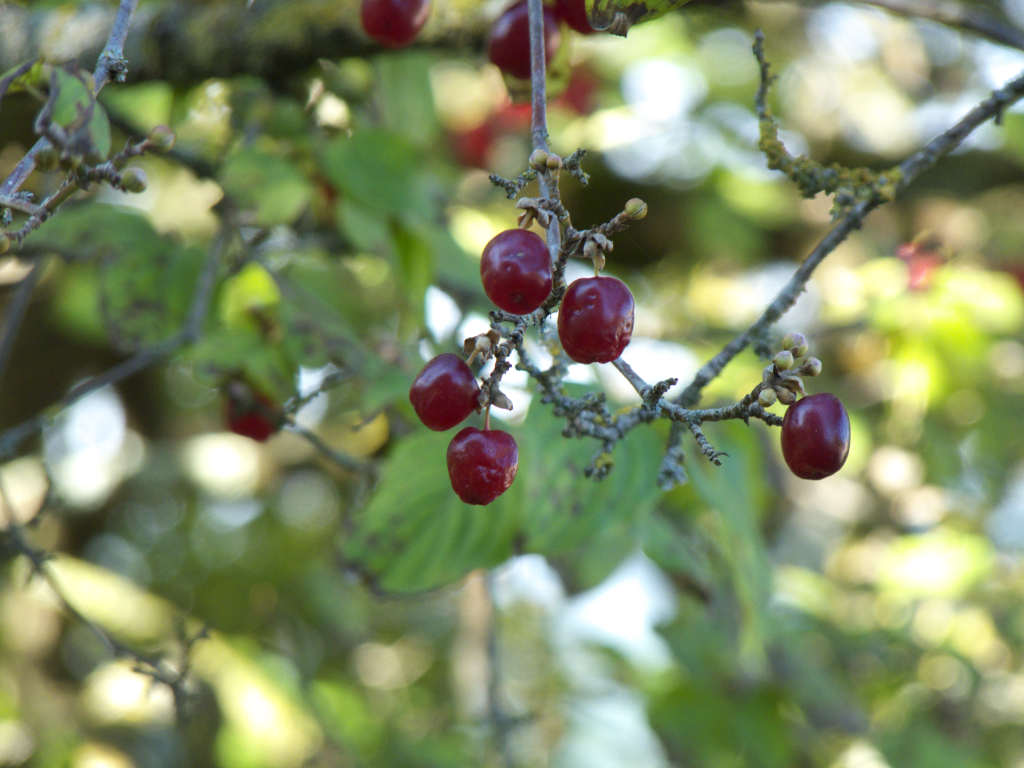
948,13
906,173
111,63
11,439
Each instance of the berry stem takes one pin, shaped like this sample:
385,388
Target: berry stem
547,183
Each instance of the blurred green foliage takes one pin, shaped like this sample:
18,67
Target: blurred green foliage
369,618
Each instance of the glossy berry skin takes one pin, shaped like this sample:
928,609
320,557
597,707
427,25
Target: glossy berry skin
444,393
482,464
816,436
574,13
255,420
509,44
516,271
595,321
394,23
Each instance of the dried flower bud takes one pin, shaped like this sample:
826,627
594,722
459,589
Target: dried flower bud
795,343
793,383
635,208
811,367
554,162
783,360
133,180
785,396
595,254
500,400
767,398
539,159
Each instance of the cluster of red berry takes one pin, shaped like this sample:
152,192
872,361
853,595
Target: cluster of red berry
395,23
595,323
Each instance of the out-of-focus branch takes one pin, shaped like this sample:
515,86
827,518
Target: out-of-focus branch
907,172
156,667
11,439
186,43
16,312
964,16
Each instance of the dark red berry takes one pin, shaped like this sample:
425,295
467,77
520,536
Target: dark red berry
516,271
482,464
394,23
574,13
595,321
445,392
251,414
816,436
509,44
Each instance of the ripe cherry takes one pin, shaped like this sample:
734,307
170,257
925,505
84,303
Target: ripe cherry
574,13
595,321
444,393
816,436
394,23
250,414
509,44
482,464
516,271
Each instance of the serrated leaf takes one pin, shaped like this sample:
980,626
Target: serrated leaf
415,533
268,183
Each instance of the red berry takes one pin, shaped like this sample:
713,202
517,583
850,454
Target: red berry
516,271
394,23
251,414
444,393
482,465
509,44
595,321
816,436
574,13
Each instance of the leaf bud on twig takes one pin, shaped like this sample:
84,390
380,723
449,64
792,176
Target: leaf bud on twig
635,208
783,360
539,160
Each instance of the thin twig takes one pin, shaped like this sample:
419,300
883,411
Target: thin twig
950,14
111,64
908,171
11,439
153,666
16,312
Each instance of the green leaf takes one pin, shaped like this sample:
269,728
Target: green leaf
733,492
73,106
222,352
406,96
380,169
415,533
145,104
268,183
31,74
145,281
